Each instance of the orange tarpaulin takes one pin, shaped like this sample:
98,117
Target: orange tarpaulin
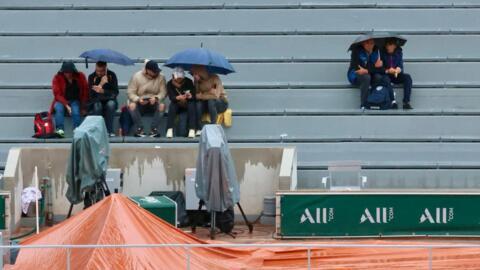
117,220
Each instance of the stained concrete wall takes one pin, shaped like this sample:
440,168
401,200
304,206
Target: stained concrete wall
146,169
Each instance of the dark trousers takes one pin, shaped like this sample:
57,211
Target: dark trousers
107,109
213,107
364,82
141,110
406,80
174,109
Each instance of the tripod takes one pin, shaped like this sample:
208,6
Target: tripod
100,191
201,203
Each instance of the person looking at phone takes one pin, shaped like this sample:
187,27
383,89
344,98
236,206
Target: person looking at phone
181,93
146,94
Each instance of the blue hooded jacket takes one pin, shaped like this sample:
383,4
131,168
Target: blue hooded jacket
360,57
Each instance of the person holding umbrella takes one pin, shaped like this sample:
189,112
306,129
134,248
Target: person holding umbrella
70,91
204,65
392,58
210,94
103,87
146,94
366,68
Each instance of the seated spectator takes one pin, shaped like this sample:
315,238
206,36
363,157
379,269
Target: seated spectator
103,87
210,95
392,58
181,93
70,91
366,70
146,93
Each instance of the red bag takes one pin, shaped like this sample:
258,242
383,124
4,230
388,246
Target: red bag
43,125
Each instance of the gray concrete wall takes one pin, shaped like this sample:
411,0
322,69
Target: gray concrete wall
147,169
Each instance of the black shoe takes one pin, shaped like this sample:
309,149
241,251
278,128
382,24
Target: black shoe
140,133
394,106
154,133
407,106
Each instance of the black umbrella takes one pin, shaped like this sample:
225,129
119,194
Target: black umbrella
379,38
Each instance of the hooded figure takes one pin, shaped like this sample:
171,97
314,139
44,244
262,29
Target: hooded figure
70,95
216,180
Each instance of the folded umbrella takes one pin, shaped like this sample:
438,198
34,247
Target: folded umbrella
213,61
107,55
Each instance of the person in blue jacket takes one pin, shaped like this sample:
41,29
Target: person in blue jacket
392,58
366,70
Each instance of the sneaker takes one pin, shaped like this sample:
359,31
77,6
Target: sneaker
140,133
407,106
394,106
60,133
111,135
154,133
169,133
198,133
191,133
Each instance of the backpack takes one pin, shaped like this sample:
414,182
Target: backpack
43,126
125,121
379,98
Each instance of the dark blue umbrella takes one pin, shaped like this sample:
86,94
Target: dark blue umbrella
107,55
214,62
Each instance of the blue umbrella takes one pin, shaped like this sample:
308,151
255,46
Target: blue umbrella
214,62
107,55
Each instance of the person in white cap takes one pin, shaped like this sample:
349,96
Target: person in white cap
181,92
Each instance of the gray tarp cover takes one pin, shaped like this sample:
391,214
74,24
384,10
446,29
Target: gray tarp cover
216,180
88,160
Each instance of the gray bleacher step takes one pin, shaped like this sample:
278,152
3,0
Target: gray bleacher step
279,21
263,74
316,128
219,4
237,48
426,101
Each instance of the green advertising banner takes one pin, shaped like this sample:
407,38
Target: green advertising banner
326,214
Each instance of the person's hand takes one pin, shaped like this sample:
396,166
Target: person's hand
361,71
143,101
181,97
69,109
398,70
188,95
98,89
379,63
390,71
199,96
152,100
104,80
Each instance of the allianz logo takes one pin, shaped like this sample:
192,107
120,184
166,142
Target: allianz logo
319,216
378,215
439,215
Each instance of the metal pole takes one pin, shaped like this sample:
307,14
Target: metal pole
430,258
2,251
308,258
188,257
68,258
